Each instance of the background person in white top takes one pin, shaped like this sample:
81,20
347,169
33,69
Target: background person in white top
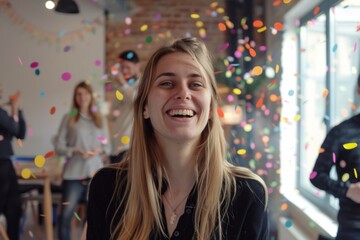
82,139
121,115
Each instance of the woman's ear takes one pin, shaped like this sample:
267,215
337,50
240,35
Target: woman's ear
146,113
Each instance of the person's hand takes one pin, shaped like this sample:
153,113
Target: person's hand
120,78
354,192
14,102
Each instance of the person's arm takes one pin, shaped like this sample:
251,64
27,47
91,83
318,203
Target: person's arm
61,144
10,125
256,224
97,206
320,176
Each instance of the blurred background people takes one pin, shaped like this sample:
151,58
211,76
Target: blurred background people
11,126
121,115
341,149
82,139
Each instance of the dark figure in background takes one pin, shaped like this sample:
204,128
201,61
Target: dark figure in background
121,115
12,125
347,188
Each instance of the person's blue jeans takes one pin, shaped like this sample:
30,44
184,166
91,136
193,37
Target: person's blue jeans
73,193
348,234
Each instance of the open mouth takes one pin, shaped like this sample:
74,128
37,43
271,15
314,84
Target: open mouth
182,113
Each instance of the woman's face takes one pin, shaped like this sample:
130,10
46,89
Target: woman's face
83,98
178,103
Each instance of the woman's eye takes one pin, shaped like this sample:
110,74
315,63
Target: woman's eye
166,84
197,84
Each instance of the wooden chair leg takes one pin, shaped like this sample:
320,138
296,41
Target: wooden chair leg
3,233
36,223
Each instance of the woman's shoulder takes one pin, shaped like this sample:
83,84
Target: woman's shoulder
250,188
107,176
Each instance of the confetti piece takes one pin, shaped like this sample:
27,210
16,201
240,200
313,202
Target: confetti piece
66,76
349,146
241,151
237,91
278,26
73,112
52,110
334,158
334,47
257,71
49,154
355,46
67,48
125,139
291,93
39,161
194,16
144,27
37,72
355,173
26,173
119,95
1,137
77,216
20,61
345,177
288,224
313,175
287,1
220,112
258,23
276,3
284,207
128,20
97,62
34,64
222,27
297,117
148,39
325,93
316,10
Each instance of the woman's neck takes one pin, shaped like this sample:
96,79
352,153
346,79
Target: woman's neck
180,166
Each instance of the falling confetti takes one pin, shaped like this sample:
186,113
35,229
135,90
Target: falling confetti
39,161
66,76
119,95
349,146
125,139
52,110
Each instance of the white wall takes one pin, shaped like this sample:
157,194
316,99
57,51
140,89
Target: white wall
30,40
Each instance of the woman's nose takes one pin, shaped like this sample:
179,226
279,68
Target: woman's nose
183,93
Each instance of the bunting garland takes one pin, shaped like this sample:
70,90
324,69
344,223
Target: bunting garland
52,37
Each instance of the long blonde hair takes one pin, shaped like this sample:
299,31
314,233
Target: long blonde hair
215,177
95,115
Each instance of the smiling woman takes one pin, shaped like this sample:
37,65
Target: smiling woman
175,181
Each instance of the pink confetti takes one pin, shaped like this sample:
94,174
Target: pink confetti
34,64
1,137
334,157
66,76
313,175
98,62
20,61
355,46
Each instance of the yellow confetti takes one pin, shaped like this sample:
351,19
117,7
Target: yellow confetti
199,24
202,32
355,173
349,146
220,10
125,139
26,173
214,4
39,161
297,117
263,29
345,177
237,91
195,16
247,127
229,24
144,27
119,95
277,68
241,151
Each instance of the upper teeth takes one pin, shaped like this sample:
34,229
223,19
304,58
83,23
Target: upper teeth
185,112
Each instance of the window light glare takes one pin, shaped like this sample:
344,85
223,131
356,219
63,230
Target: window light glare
49,4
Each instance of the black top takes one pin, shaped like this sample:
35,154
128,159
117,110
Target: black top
10,128
347,163
246,218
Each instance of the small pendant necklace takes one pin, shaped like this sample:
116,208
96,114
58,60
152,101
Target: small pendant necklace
174,214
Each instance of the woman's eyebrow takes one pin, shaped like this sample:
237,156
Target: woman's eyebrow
165,74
